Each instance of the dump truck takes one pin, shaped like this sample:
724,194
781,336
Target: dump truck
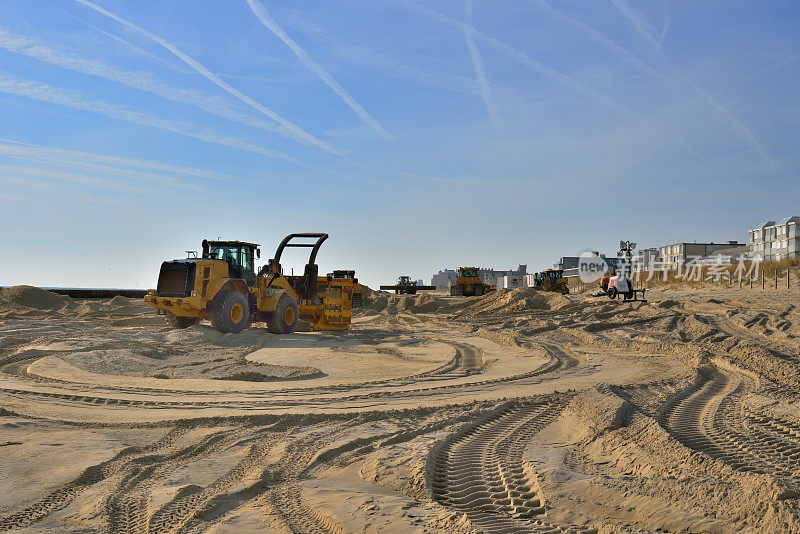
468,283
223,287
405,286
551,280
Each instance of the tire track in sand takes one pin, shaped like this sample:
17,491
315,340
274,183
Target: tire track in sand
710,418
479,469
61,497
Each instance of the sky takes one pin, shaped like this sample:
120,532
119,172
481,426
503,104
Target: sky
419,134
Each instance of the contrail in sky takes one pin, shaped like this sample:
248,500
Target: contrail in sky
9,147
64,97
265,18
515,54
682,82
143,81
292,129
638,21
477,63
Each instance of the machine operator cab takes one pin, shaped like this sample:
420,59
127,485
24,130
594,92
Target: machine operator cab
551,275
239,255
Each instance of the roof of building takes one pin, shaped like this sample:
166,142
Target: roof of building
793,218
764,225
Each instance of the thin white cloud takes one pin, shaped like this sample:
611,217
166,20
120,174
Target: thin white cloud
143,81
39,156
477,64
59,155
64,97
268,22
291,129
28,184
16,170
515,54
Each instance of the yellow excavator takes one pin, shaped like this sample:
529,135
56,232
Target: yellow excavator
223,287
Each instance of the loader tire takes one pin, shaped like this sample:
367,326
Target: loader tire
230,312
612,292
176,321
284,318
358,300
564,289
478,291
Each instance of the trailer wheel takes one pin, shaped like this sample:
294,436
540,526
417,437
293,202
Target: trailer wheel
284,318
231,312
612,292
177,321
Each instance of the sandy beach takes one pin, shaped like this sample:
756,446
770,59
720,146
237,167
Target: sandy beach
519,411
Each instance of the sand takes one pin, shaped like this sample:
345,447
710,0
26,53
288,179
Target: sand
518,411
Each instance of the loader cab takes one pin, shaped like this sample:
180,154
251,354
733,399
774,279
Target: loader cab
404,280
240,257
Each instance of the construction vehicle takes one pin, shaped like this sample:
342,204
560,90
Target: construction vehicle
405,286
358,292
468,283
551,280
223,287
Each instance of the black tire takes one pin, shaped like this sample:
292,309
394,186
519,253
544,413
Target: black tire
358,300
453,291
230,312
612,292
176,321
478,291
284,319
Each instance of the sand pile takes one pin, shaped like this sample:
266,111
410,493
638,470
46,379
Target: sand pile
423,303
31,299
515,300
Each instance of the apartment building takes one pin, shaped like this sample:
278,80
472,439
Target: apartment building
678,254
776,240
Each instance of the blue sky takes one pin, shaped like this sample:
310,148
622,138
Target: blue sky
420,135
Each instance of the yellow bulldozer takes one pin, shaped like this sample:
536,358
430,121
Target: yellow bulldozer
551,280
468,283
223,287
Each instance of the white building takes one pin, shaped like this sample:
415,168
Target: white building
775,241
511,281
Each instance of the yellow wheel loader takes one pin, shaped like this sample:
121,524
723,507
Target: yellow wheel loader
222,286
